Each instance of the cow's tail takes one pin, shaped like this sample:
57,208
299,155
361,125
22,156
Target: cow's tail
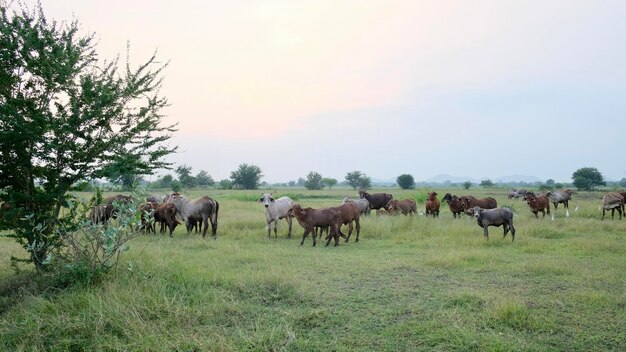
214,214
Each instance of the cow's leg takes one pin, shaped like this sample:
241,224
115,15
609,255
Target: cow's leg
331,233
205,222
603,211
289,221
485,231
506,229
276,229
512,231
358,229
268,227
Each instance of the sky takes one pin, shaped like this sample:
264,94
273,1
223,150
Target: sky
481,89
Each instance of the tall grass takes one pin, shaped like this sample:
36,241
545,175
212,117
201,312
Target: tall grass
410,283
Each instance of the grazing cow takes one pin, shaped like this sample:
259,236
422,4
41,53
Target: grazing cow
557,197
613,201
538,203
432,204
388,212
454,204
204,207
406,207
517,193
276,210
165,214
623,195
376,200
147,216
349,213
310,218
468,202
110,211
495,217
362,203
98,214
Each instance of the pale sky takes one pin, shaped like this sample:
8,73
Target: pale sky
468,88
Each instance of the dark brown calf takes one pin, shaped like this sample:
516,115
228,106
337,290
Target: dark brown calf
406,206
454,204
376,200
538,204
349,213
432,204
165,214
310,218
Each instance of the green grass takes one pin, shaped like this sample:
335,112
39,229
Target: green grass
410,284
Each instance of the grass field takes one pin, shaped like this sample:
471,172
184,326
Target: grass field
411,283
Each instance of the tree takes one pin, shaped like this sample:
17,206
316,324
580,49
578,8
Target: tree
357,179
184,176
66,117
622,182
329,182
486,183
405,181
246,176
166,181
300,181
467,185
225,184
204,179
313,181
587,178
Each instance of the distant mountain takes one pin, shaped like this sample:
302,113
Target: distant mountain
517,178
454,179
503,179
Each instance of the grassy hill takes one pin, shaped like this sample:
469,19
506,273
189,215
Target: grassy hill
411,283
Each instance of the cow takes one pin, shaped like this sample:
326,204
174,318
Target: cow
406,206
154,199
432,204
454,204
376,200
97,215
350,212
203,207
310,218
147,216
538,203
276,209
517,193
613,201
468,202
165,214
362,203
557,197
495,217
110,205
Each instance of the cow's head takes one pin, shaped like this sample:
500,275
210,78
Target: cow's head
266,199
447,197
297,209
531,200
432,196
477,211
363,194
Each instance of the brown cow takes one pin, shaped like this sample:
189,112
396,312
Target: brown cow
165,214
468,202
613,201
350,212
538,203
376,200
406,206
454,204
432,204
147,216
310,218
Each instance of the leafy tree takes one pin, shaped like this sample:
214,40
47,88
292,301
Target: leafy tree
225,184
300,181
246,176
550,182
405,181
291,183
587,178
329,182
166,181
176,186
357,179
467,185
66,117
184,176
313,181
486,183
204,179
622,182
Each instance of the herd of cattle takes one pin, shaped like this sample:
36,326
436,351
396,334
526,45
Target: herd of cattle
168,211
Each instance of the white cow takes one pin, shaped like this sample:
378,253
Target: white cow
363,204
276,210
